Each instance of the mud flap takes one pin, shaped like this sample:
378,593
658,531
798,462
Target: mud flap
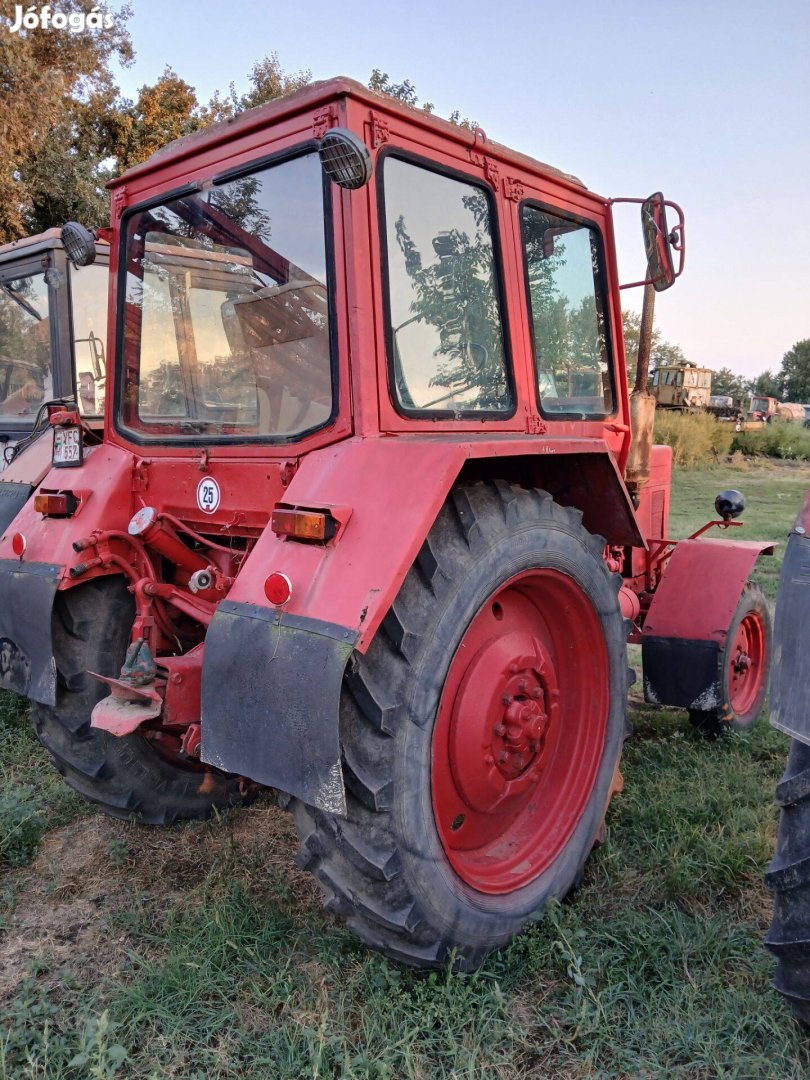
790,678
271,699
13,498
27,592
686,674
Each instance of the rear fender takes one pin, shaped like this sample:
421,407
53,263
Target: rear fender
18,480
272,681
28,586
688,620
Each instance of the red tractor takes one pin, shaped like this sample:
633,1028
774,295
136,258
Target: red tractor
53,331
365,526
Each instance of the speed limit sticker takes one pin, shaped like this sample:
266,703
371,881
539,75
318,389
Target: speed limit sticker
208,495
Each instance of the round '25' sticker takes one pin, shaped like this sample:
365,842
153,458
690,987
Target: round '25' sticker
208,495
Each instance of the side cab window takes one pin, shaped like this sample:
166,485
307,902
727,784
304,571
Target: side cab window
568,308
446,341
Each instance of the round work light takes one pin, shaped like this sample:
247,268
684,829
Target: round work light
345,158
79,243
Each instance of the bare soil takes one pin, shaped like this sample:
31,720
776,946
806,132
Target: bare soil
94,867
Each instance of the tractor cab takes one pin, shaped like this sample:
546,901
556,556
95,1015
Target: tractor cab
685,387
362,527
53,337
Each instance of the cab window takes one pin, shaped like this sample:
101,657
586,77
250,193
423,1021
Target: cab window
26,376
89,298
446,338
566,288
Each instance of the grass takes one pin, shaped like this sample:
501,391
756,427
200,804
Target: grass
200,952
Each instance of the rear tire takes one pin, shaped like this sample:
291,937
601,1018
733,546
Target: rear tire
789,878
127,777
744,666
417,750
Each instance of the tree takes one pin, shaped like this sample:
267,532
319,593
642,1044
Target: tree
268,81
162,112
768,384
725,382
795,374
662,353
49,78
381,83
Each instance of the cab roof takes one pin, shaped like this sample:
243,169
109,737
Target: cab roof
317,94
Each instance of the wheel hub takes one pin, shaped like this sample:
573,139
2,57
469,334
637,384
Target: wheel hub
518,737
501,719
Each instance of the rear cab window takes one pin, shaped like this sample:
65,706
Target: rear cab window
565,280
445,327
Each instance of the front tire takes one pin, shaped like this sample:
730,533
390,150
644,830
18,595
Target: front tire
127,777
481,733
745,664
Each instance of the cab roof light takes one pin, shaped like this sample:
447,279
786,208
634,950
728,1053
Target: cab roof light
317,525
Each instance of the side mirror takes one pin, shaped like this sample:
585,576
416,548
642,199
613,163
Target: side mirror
660,267
79,243
659,241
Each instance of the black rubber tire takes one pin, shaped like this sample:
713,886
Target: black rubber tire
382,867
716,722
126,777
788,877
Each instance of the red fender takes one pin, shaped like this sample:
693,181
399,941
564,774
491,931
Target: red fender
686,626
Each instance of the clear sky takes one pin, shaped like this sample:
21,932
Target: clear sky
708,101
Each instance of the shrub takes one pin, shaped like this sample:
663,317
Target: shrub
788,441
695,438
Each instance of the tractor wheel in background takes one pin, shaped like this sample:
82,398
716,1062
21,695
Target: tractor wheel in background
127,777
745,663
789,878
481,734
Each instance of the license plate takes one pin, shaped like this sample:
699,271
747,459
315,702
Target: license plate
67,446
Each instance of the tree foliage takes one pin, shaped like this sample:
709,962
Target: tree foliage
794,377
662,353
725,382
51,82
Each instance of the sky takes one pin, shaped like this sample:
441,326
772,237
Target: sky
707,101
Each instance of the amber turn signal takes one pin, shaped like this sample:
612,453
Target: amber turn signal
55,504
303,524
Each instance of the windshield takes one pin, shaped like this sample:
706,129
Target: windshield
26,379
226,322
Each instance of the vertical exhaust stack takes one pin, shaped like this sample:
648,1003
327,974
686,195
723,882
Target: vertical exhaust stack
642,404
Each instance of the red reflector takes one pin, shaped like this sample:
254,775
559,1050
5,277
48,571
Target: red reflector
278,589
303,524
18,544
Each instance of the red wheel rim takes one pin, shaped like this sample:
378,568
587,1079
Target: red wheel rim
746,664
520,731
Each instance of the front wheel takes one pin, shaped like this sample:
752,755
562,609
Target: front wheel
744,666
480,733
